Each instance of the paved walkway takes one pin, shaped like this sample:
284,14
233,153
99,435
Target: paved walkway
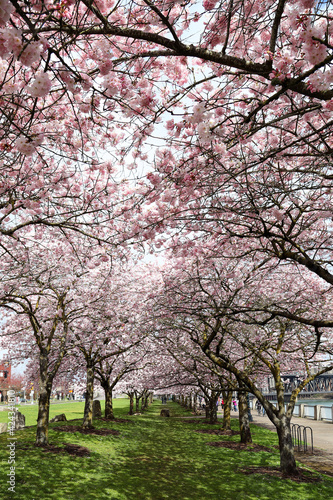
322,431
322,458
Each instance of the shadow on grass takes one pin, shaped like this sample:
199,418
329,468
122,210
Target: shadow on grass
156,458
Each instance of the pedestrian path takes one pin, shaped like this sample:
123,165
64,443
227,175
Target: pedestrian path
322,431
322,458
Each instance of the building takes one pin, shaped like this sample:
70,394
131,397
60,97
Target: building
5,378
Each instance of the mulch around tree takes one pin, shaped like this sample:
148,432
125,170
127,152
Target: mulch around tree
71,449
83,430
320,460
238,446
116,420
303,476
218,432
197,421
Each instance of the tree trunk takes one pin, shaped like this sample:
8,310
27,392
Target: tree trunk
144,404
244,424
287,457
227,397
88,407
213,408
131,408
42,433
195,403
137,404
207,408
108,401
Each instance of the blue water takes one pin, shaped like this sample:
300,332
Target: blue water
314,402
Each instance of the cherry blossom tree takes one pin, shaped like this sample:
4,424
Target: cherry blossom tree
44,294
202,302
110,372
221,114
110,332
248,91
199,375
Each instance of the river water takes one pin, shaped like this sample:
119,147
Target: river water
314,402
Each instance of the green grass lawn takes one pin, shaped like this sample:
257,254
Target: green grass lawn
72,410
153,458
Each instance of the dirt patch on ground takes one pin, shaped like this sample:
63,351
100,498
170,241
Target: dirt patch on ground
83,430
303,476
232,445
218,432
320,460
197,421
71,449
116,420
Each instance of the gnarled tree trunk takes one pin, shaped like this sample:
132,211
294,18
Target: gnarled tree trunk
244,424
88,407
227,398
195,403
145,399
287,457
207,408
108,401
42,434
213,407
131,407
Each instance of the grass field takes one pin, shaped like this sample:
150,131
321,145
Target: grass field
71,409
153,458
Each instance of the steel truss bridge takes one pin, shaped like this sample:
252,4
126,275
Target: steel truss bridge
320,385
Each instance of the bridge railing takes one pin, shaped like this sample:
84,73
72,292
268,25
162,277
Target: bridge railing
314,412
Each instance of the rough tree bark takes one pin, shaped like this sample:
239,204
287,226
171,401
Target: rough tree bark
244,424
227,398
131,406
207,408
108,400
213,407
282,424
88,407
195,403
287,458
43,402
